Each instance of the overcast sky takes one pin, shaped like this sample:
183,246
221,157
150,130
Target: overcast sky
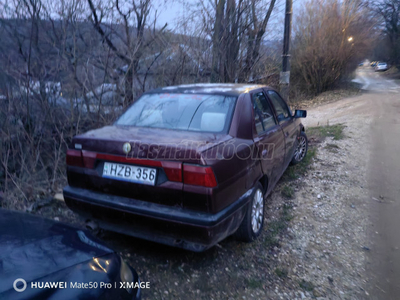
172,10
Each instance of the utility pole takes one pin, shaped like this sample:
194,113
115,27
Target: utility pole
285,74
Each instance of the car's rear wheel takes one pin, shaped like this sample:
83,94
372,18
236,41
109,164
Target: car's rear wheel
253,222
301,149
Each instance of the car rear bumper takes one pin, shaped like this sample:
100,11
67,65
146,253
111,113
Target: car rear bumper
175,226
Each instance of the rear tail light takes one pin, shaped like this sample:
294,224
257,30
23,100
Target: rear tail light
74,158
173,171
196,175
81,158
89,158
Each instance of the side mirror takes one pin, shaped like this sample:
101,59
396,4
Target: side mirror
300,113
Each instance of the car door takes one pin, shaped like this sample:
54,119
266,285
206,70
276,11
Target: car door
268,137
286,122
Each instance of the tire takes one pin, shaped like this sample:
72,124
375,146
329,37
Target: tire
301,149
253,221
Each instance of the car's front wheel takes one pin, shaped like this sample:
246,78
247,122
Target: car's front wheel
301,149
253,221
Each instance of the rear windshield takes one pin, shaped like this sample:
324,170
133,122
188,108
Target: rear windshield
195,112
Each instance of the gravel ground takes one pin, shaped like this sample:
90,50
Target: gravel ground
327,243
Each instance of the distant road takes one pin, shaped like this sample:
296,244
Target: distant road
375,81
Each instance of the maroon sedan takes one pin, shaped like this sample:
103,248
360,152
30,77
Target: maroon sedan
188,165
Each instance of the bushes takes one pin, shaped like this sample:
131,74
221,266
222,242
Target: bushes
33,140
330,38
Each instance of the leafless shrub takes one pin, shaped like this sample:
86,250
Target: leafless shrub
330,38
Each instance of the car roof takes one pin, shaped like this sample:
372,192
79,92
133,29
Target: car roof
232,89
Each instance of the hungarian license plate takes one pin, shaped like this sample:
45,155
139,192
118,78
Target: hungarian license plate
130,173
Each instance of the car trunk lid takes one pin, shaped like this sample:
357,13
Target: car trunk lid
176,157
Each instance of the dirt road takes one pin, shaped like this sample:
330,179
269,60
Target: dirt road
384,185
375,117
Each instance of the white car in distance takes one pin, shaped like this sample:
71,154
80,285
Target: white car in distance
381,66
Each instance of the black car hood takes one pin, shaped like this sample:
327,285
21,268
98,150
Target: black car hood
32,247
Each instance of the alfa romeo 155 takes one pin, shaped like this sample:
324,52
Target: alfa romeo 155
186,165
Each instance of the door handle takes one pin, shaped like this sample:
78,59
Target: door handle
264,152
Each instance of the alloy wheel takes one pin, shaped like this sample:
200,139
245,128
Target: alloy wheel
257,211
301,148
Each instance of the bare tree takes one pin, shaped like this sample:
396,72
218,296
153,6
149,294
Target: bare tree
389,10
237,29
130,44
255,34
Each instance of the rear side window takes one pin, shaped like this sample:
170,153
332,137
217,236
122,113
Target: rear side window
263,116
282,110
194,112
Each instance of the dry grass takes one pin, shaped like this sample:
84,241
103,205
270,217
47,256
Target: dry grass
344,90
